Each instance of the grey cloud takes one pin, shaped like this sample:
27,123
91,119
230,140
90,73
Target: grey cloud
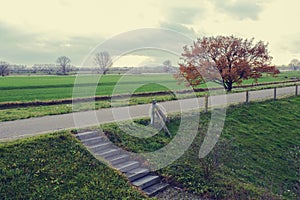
292,45
144,39
65,3
182,15
147,42
190,32
241,9
28,48
295,46
19,46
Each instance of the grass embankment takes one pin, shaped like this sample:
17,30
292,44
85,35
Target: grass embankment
48,88
259,159
57,166
257,156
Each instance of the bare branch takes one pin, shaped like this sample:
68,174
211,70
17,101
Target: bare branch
103,60
4,68
63,61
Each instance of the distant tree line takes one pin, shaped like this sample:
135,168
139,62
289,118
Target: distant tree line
102,65
54,69
44,69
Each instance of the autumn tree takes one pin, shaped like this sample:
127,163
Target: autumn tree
4,68
225,60
63,61
103,60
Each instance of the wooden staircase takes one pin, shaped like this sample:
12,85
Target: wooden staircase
140,176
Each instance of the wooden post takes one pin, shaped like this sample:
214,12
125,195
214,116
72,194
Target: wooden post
206,103
157,116
164,117
296,90
247,96
275,93
153,112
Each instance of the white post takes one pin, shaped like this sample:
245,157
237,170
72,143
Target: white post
159,116
153,112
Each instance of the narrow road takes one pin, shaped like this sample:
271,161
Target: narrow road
34,126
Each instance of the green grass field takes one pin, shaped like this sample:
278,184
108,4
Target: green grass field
260,160
57,166
257,154
35,88
43,88
47,88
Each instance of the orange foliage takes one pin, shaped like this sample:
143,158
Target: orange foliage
224,59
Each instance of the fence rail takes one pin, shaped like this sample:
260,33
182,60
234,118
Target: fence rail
256,95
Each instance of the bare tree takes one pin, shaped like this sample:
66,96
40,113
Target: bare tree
4,68
167,65
63,61
295,64
103,60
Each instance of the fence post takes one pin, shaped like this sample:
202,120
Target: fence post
247,96
153,112
296,90
275,93
206,103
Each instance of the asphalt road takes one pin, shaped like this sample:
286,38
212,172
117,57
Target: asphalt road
28,127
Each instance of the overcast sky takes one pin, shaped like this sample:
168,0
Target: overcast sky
38,31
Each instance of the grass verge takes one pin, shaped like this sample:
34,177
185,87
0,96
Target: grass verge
257,156
57,166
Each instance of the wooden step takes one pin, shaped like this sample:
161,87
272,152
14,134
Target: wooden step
117,159
146,181
105,151
127,166
108,152
137,173
94,141
156,188
87,135
100,147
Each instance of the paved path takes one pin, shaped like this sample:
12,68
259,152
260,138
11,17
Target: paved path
34,126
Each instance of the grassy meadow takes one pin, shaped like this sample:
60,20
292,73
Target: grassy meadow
33,88
45,88
257,156
54,88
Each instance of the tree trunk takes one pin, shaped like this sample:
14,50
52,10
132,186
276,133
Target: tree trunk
64,70
105,71
229,86
224,85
